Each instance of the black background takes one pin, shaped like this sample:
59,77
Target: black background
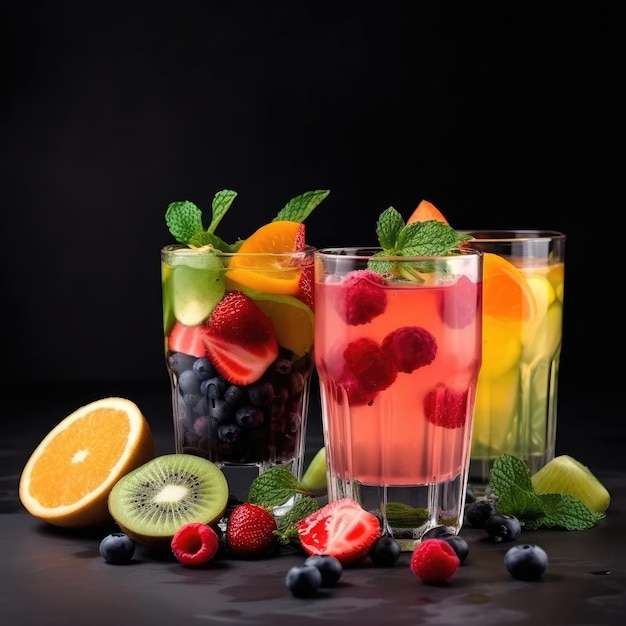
504,114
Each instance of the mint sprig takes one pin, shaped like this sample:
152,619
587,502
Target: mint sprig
274,488
184,219
396,238
510,481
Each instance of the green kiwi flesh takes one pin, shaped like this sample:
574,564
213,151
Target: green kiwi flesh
153,501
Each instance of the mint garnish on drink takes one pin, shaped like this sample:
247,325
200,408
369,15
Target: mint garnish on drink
510,481
428,238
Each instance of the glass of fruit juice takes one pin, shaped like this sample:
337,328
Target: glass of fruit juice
398,350
516,396
239,330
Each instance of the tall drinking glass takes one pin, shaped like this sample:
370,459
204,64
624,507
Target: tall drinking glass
516,397
398,355
239,332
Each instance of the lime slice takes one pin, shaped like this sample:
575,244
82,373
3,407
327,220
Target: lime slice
292,319
567,476
166,294
197,287
314,478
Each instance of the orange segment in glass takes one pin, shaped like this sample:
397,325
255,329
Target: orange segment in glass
264,261
506,295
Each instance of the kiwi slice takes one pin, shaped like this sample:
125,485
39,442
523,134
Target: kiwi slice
567,476
152,502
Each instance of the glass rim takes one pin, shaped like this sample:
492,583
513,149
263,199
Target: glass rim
182,250
504,235
366,253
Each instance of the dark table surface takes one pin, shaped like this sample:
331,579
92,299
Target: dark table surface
52,576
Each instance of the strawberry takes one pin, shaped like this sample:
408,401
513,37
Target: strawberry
361,298
446,407
187,339
410,348
342,529
434,561
250,531
240,339
195,544
305,286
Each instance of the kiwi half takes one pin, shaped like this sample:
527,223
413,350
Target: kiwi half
152,502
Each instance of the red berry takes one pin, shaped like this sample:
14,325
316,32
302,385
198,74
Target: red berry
365,359
434,561
361,298
250,531
195,544
446,407
410,348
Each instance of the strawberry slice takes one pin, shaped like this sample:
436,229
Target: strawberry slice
342,529
240,339
187,339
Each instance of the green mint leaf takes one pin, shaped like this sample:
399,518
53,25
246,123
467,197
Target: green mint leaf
510,481
388,228
221,203
287,523
273,487
205,238
300,207
430,238
184,220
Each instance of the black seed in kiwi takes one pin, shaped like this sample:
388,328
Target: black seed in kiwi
153,501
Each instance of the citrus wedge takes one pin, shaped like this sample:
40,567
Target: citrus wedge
67,479
427,211
265,260
506,294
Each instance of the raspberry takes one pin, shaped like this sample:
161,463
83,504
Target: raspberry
446,407
365,359
195,544
363,298
459,304
410,348
434,561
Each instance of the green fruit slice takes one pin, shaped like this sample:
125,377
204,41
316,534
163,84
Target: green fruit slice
314,478
567,476
153,501
196,289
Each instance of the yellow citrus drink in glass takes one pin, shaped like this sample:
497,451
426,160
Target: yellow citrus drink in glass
398,361
516,397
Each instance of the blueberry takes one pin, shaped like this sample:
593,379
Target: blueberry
214,387
117,548
235,395
458,544
203,368
262,393
249,417
219,410
228,433
303,580
503,528
526,562
329,566
188,382
477,513
282,366
385,552
470,496
179,361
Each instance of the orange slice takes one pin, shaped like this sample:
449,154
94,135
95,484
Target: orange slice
506,294
67,479
426,211
264,261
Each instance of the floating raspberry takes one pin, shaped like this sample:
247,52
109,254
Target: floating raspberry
195,544
459,304
410,348
446,407
434,561
365,358
362,297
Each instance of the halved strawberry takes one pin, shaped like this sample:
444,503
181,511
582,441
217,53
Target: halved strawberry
445,406
187,339
342,529
306,285
240,339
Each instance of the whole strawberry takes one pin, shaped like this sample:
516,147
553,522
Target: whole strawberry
250,531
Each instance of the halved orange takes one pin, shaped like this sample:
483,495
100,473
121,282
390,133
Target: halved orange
506,294
264,260
426,211
67,479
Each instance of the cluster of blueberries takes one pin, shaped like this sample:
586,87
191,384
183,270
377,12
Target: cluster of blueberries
238,424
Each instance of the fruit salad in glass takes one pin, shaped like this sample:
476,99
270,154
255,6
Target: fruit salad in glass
238,326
